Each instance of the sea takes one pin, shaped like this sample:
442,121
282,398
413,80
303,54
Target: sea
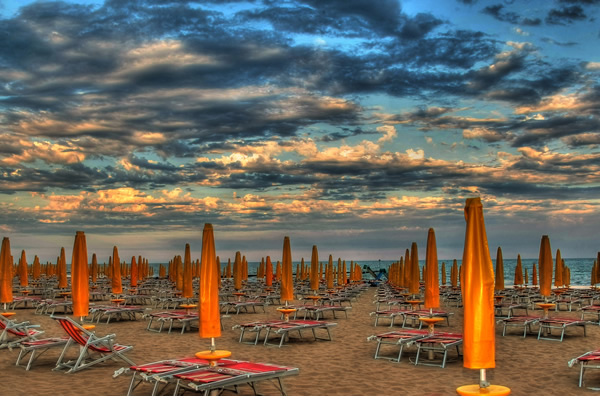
581,268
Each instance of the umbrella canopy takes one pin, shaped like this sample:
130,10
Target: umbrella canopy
23,281
94,268
116,286
36,268
558,270
413,287
208,304
534,277
237,271
268,272
329,274
545,265
134,272
499,271
518,272
432,283
62,269
314,269
80,277
478,292
187,289
454,274
443,273
6,272
287,284
278,271
228,269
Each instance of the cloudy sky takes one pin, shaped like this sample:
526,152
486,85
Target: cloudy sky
354,125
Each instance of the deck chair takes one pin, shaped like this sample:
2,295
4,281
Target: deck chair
92,349
548,324
524,321
400,338
439,342
214,380
585,361
13,332
35,348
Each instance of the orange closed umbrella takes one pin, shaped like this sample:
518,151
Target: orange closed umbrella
187,289
287,283
23,281
314,269
269,272
499,270
413,287
36,268
237,271
407,269
558,270
329,274
208,306
278,272
62,269
116,286
518,272
80,277
134,272
6,273
454,274
94,268
443,273
534,278
545,265
478,292
432,283
228,269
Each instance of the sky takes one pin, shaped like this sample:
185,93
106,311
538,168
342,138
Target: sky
353,125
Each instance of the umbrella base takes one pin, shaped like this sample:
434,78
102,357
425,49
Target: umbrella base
475,390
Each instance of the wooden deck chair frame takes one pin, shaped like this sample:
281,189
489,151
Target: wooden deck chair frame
90,346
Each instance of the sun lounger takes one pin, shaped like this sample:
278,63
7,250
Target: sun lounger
214,380
39,346
244,305
25,301
524,321
548,324
591,359
12,332
51,306
506,310
398,338
591,309
439,342
391,314
255,327
100,311
172,318
283,329
318,311
92,348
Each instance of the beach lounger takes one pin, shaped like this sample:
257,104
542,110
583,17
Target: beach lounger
391,314
172,318
25,301
35,348
506,310
438,343
398,338
318,311
13,332
254,327
245,305
591,309
548,324
100,311
92,349
283,329
524,321
214,380
591,359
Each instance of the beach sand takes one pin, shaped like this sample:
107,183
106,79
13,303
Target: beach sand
342,367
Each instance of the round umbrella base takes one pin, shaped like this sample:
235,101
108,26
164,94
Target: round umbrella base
475,390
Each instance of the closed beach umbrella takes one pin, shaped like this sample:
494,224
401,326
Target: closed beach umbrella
188,292
534,278
208,307
314,269
407,269
415,272
593,274
179,273
62,269
287,283
444,273
116,286
80,277
23,281
268,272
558,270
237,271
6,273
94,269
330,272
432,283
36,268
478,292
545,265
278,271
454,274
134,272
526,277
518,272
499,285
228,269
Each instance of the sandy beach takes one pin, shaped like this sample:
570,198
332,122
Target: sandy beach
342,367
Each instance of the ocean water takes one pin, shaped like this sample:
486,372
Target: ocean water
581,268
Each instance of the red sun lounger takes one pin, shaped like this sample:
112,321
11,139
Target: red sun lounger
398,338
439,342
548,324
39,346
591,359
523,321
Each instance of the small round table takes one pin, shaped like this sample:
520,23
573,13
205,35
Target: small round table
431,321
476,390
286,313
8,314
314,299
414,304
25,292
117,301
188,307
65,295
213,356
546,307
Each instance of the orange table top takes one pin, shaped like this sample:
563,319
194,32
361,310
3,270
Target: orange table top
414,301
188,305
475,390
213,355
8,314
286,310
431,320
313,297
545,305
117,300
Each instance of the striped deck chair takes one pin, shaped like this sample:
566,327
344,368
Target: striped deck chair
214,380
92,349
13,332
585,361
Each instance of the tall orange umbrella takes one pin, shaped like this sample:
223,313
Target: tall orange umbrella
228,269
329,274
526,277
268,272
407,269
116,285
36,268
534,278
545,265
518,272
479,346
314,269
23,281
413,287
287,284
5,273
188,291
179,273
278,272
208,305
499,270
432,282
80,277
454,274
558,270
94,268
443,273
62,269
134,272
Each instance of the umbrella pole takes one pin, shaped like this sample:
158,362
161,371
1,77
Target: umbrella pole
483,383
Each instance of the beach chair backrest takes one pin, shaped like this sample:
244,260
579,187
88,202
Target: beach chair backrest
78,335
